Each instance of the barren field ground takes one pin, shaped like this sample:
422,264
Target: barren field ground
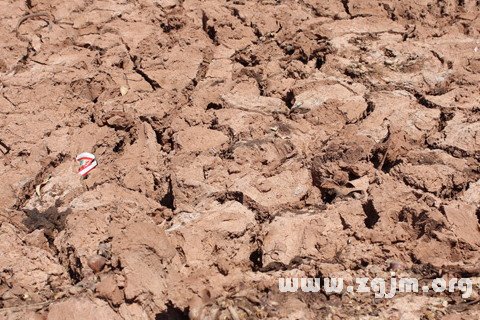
238,142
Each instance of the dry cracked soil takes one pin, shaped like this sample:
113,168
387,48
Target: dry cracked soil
238,142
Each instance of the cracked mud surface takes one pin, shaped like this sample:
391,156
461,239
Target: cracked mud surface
238,142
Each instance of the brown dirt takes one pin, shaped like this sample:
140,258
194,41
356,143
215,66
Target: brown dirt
233,159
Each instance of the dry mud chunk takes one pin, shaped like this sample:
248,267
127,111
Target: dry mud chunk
460,137
199,139
136,83
382,212
9,196
221,66
37,239
409,307
98,18
352,215
221,28
82,309
145,276
192,175
457,50
177,69
462,98
196,180
285,188
243,124
315,97
144,251
353,108
359,25
293,308
307,235
33,268
359,7
221,226
62,186
463,222
432,251
133,312
148,151
13,127
28,315
440,180
390,196
264,105
72,141
144,234
438,172
440,157
97,213
166,4
472,194
398,111
329,118
324,8
108,196
220,69
142,162
262,20
263,155
345,154
107,288
409,65
139,179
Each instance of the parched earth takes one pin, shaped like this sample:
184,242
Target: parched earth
238,142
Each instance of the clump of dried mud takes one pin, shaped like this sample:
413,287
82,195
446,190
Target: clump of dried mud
238,142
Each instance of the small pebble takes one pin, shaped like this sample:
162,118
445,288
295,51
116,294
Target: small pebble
96,263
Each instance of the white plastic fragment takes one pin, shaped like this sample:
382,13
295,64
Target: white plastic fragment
39,187
123,90
87,163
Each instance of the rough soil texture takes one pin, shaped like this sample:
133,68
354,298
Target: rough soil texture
238,142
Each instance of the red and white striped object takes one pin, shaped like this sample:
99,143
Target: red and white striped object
87,163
